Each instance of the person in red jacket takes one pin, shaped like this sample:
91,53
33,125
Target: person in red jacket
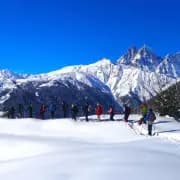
42,111
99,111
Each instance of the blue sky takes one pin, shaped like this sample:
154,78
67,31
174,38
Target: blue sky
43,35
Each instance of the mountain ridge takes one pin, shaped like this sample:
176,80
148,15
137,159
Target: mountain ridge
137,75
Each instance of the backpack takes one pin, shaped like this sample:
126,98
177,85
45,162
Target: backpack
153,117
43,109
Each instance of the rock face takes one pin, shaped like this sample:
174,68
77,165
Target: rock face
170,65
137,75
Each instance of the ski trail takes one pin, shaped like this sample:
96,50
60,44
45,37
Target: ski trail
142,131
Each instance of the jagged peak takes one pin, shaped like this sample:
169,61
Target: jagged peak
131,52
146,49
135,56
128,56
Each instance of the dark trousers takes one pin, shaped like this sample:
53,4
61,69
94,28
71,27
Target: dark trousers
86,116
12,116
112,117
64,114
30,114
150,129
52,114
42,115
144,119
74,115
126,116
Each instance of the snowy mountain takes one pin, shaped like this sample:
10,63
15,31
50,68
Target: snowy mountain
170,65
130,79
101,70
137,75
143,58
7,79
54,87
134,85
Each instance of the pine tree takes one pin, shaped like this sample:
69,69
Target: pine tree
167,102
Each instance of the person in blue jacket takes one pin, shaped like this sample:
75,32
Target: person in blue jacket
52,109
150,118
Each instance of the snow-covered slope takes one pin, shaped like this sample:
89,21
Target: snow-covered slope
145,84
7,84
73,76
101,70
62,149
7,79
170,65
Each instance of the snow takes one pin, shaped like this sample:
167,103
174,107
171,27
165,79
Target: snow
165,127
170,65
4,98
64,149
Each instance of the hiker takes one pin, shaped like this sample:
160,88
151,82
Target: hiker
52,109
99,111
143,109
74,111
42,111
30,110
150,118
127,112
20,110
86,110
64,108
111,113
